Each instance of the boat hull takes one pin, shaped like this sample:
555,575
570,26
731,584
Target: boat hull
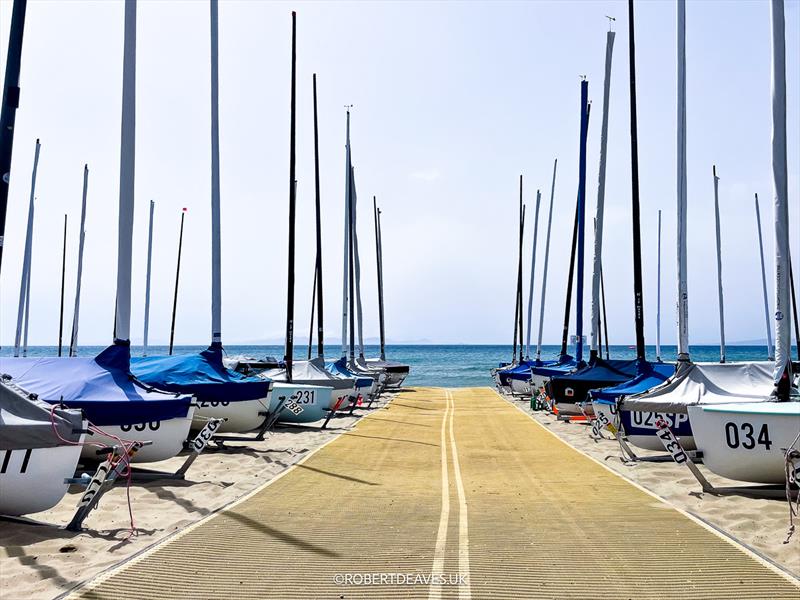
520,387
32,480
167,438
315,401
745,442
240,416
640,429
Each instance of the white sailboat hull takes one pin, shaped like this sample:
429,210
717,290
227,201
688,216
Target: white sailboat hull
315,400
33,480
746,441
520,387
239,416
167,438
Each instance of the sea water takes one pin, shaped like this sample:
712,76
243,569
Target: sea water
435,365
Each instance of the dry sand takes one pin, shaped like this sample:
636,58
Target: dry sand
759,524
45,561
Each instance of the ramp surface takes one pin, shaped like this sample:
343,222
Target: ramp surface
460,484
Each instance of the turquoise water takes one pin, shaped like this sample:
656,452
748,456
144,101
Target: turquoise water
447,366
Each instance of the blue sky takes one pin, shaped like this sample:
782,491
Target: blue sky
452,101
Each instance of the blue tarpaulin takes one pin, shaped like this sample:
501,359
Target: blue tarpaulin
340,368
650,375
574,387
203,375
102,387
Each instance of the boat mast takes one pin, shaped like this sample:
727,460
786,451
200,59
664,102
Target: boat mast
292,203
605,315
546,260
658,294
351,267
177,279
313,311
637,242
533,271
719,270
770,351
63,281
596,347
73,340
683,287
346,252
379,265
581,219
794,311
216,236
518,295
26,260
147,280
568,303
126,180
318,271
357,264
27,314
783,340
8,112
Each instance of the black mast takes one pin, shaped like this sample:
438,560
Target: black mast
63,276
290,283
351,261
637,243
565,330
318,276
379,265
8,112
519,280
177,279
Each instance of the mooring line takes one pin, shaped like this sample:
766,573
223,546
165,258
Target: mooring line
435,591
465,590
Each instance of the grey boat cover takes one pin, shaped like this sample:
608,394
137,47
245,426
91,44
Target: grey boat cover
706,383
25,422
311,372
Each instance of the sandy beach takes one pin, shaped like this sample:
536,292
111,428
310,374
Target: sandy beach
760,524
45,561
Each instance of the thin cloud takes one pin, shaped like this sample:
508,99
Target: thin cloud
426,175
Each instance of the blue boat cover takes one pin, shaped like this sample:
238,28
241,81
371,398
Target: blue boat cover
650,375
340,368
102,387
522,372
574,387
563,365
202,375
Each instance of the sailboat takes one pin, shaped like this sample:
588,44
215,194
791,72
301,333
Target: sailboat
102,386
39,447
744,440
638,407
221,393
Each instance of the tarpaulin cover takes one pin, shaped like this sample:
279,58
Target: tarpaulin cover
341,369
562,366
28,423
101,386
522,372
387,366
710,383
574,387
203,375
310,372
650,376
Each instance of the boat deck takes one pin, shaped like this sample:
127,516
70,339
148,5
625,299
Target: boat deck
452,482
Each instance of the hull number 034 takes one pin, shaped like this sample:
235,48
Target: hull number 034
743,435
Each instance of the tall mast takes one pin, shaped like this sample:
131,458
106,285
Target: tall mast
177,281
518,295
783,339
351,266
63,282
658,294
346,237
357,265
73,340
8,111
770,350
379,263
605,314
794,311
568,301
216,236
601,194
581,220
719,269
26,261
683,286
318,272
126,179
546,260
533,272
637,242
147,280
292,201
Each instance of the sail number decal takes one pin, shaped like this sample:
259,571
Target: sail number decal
201,439
152,426
670,442
304,396
649,419
743,435
293,407
212,403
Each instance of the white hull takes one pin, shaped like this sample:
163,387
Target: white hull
240,416
394,379
651,442
746,441
538,382
41,485
520,387
315,401
167,438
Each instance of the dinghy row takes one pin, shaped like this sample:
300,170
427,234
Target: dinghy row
741,420
87,420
